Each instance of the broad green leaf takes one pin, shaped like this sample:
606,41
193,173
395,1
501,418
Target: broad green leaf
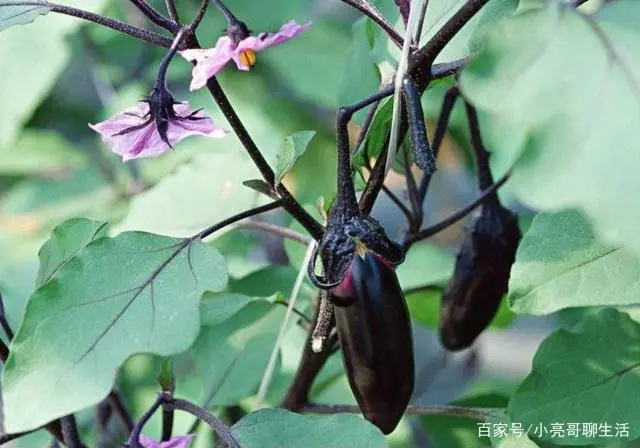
200,193
426,264
590,374
560,264
377,134
66,241
17,12
361,77
294,146
24,52
565,85
137,288
468,38
231,356
277,428
35,152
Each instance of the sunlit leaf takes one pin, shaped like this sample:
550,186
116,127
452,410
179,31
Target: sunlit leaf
277,428
561,264
17,12
589,374
294,147
140,288
564,85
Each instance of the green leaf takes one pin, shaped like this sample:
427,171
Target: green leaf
589,374
361,77
294,146
262,187
232,355
66,241
468,38
560,264
25,50
18,12
377,134
38,151
199,193
137,288
277,428
586,68
426,264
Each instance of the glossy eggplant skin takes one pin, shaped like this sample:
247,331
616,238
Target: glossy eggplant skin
481,277
376,342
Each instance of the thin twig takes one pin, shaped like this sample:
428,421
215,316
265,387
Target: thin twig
411,410
220,428
173,12
70,432
147,36
275,229
154,16
238,217
372,12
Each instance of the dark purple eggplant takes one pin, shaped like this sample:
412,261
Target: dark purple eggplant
481,277
376,341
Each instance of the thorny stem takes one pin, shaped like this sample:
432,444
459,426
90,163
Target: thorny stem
161,79
222,430
147,36
231,18
154,16
370,11
202,10
173,12
411,410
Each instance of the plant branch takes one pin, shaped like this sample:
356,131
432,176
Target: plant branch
423,59
220,428
134,437
275,230
70,432
485,179
155,17
139,33
237,217
372,12
457,216
315,229
173,12
411,410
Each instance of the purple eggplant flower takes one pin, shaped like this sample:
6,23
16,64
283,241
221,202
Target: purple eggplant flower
241,47
175,442
153,126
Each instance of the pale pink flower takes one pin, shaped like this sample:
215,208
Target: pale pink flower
175,442
152,127
242,51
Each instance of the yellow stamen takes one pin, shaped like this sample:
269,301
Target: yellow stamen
248,57
361,249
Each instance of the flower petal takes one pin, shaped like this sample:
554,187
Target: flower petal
258,43
146,141
175,442
208,62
